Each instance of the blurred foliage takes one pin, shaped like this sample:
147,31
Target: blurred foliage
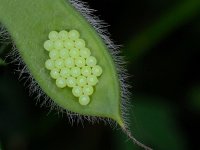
153,120
167,22
194,97
2,62
162,49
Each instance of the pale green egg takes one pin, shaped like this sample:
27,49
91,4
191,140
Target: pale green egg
64,53
92,80
58,44
53,35
65,72
55,73
91,61
75,72
59,63
74,53
88,90
85,52
86,71
79,43
61,82
63,35
48,45
97,70
49,64
84,100
80,62
71,82
68,43
74,34
54,54
77,91
81,80
69,62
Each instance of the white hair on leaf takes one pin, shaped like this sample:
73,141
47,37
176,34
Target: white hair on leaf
114,50
100,27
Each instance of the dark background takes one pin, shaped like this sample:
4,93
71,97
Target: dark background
162,46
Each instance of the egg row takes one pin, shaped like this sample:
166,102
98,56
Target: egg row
64,39
80,81
70,62
73,53
64,35
72,71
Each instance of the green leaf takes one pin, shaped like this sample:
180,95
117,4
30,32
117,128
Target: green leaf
29,23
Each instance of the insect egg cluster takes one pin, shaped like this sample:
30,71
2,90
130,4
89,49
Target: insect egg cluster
71,64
